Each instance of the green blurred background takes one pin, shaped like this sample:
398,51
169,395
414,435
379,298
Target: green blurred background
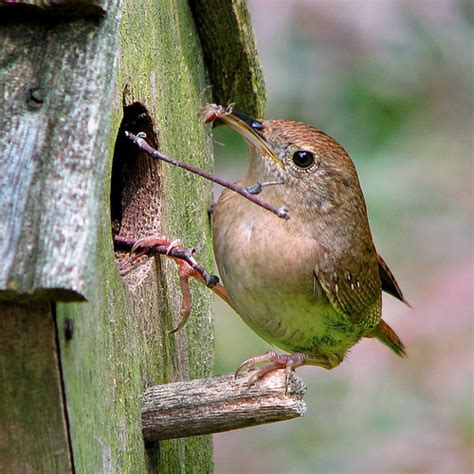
392,81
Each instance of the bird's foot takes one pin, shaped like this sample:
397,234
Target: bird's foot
145,244
187,268
289,362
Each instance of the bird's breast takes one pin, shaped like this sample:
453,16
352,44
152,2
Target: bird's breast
266,265
255,249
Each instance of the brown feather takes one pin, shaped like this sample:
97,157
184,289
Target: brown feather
389,284
385,334
355,293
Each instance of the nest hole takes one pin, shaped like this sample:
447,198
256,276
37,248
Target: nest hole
135,193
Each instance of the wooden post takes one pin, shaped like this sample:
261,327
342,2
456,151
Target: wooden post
79,343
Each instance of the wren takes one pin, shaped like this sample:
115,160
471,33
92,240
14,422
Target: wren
310,285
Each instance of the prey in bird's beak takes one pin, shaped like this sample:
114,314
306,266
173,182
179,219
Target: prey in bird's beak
245,126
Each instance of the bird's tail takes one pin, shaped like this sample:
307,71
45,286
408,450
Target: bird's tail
385,334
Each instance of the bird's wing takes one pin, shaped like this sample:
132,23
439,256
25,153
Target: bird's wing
389,284
354,291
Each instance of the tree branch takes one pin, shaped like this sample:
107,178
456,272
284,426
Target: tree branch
143,145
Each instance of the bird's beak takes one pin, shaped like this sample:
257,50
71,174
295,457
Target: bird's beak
248,128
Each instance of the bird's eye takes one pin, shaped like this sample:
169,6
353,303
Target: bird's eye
303,159
256,125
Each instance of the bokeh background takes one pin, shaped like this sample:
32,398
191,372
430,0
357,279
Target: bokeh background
392,80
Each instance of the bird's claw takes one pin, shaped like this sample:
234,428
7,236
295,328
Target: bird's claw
289,362
146,243
187,268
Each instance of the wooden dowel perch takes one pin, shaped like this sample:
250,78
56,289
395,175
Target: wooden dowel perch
218,404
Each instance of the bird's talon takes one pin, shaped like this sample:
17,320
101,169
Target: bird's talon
241,367
136,245
174,244
184,319
289,362
253,378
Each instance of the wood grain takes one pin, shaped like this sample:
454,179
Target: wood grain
235,75
33,429
55,94
219,404
69,8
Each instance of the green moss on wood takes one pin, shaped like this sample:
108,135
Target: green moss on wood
225,30
121,343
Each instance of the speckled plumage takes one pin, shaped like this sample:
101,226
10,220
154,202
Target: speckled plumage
311,284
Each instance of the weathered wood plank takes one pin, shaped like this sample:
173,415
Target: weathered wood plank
225,30
220,403
55,92
33,431
71,8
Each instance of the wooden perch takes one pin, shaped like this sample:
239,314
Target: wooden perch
220,403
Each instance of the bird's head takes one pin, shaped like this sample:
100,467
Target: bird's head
314,169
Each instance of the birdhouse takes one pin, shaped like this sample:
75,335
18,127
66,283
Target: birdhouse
81,343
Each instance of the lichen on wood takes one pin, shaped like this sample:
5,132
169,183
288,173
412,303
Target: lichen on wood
55,119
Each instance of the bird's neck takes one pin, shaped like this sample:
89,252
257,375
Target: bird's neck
261,169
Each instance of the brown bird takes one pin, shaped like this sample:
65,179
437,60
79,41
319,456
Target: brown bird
311,285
